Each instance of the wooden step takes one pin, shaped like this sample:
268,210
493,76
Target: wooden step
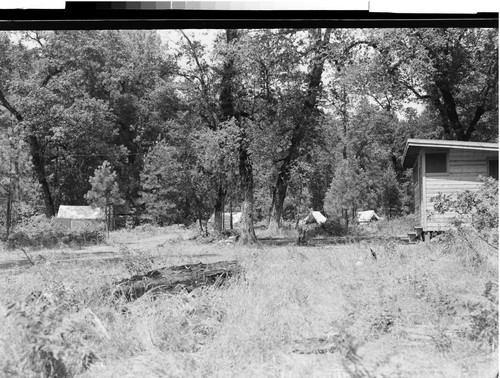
412,236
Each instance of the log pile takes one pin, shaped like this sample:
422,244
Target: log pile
174,279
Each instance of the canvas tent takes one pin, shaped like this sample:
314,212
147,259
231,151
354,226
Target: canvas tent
367,216
227,220
80,217
313,217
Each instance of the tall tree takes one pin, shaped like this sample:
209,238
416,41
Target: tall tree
105,193
83,97
303,121
453,71
230,112
203,98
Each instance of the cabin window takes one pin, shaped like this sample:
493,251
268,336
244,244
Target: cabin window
493,168
435,163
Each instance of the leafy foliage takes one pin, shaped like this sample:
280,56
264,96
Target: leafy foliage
53,347
105,193
40,232
479,208
280,119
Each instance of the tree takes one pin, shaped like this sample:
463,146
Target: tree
345,193
231,113
105,193
201,92
302,122
173,186
453,71
17,189
81,97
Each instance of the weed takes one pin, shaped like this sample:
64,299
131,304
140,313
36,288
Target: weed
135,263
484,318
47,338
442,342
426,311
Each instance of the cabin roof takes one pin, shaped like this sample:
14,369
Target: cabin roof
413,146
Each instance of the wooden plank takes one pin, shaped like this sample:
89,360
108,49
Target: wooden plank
467,163
468,170
466,158
449,192
471,177
443,216
423,217
454,185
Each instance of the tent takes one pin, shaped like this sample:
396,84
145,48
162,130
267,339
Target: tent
227,220
367,216
313,217
80,217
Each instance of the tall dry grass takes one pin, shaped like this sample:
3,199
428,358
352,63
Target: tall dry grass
425,310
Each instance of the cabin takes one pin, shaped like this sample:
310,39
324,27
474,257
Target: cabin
445,167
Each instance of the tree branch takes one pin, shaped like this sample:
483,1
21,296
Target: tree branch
52,72
415,92
9,107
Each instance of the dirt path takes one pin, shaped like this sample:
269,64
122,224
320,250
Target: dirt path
108,251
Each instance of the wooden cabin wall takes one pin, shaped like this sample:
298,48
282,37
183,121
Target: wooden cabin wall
417,187
463,171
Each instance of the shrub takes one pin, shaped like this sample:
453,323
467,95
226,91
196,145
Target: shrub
334,227
40,232
479,208
484,318
47,340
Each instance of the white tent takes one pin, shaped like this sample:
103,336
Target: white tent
367,216
80,212
79,217
227,219
313,217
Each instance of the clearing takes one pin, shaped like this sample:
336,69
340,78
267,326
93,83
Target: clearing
423,310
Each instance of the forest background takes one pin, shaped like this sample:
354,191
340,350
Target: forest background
271,122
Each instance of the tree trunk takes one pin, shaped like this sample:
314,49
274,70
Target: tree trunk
219,210
244,164
8,215
450,110
278,199
230,215
175,279
37,159
246,181
39,167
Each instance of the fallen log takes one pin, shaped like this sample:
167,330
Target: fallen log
174,279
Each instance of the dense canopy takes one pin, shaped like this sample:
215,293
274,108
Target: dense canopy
271,122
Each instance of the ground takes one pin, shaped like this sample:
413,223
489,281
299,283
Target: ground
419,310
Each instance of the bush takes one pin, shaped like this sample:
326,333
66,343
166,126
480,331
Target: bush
48,338
40,232
333,227
479,208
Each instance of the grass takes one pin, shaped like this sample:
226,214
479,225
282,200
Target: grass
419,310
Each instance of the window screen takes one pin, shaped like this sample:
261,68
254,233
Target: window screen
435,163
493,168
